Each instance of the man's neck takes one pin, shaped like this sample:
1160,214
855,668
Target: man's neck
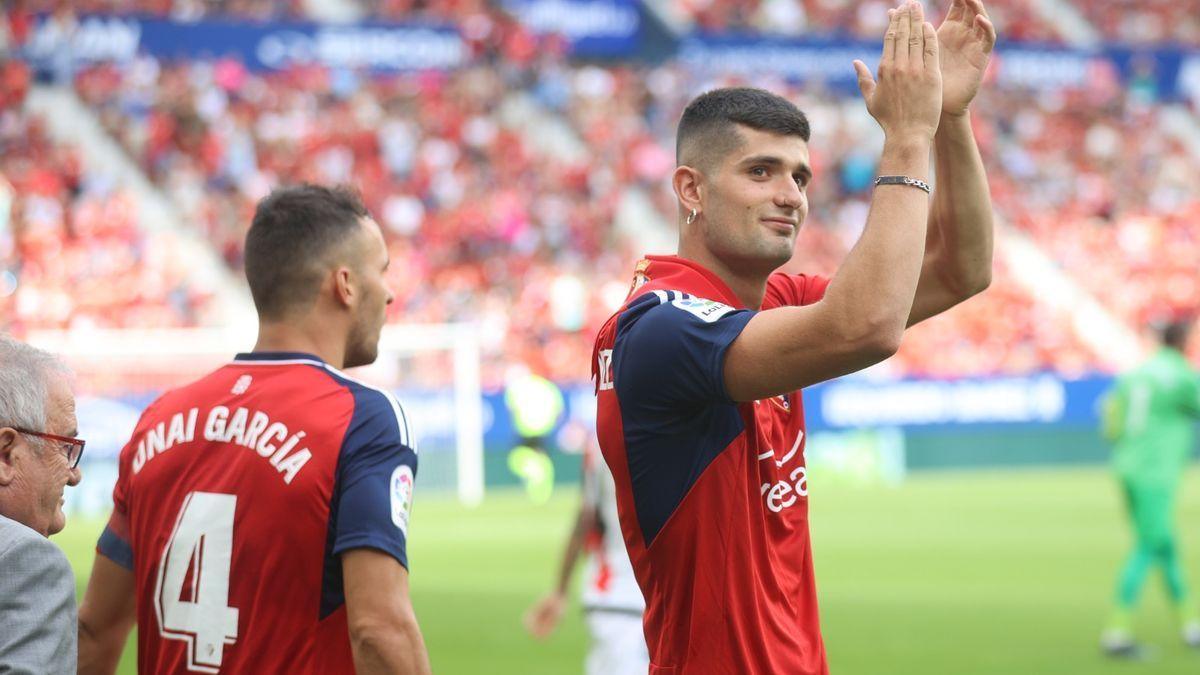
749,288
290,337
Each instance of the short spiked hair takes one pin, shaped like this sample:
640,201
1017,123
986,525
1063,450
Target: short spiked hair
708,130
295,232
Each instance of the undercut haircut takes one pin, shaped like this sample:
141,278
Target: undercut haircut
296,232
708,129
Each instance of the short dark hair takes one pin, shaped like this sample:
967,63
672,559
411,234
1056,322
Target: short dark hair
294,232
708,121
1175,333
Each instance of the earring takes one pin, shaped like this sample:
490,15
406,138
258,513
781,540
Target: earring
692,217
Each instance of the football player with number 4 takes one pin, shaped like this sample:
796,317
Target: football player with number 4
699,415
260,520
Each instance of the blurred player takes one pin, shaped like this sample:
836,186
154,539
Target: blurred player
1149,417
535,405
697,375
260,517
611,597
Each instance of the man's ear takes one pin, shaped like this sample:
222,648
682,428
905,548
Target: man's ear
345,288
10,442
688,183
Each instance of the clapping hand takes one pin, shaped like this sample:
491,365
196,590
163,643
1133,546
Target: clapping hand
907,98
965,40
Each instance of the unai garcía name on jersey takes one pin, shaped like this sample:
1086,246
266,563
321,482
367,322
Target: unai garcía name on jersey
251,429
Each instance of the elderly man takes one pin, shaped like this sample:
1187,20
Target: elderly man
39,456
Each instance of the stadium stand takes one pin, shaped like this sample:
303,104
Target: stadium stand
1015,19
71,253
476,206
416,163
1145,22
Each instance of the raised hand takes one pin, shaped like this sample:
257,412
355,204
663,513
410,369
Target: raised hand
907,99
966,38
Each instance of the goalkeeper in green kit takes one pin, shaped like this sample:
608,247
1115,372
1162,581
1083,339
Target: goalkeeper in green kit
1150,418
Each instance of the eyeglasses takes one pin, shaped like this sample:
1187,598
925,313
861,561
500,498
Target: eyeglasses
72,447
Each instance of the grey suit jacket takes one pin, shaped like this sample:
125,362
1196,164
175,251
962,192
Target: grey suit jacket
38,619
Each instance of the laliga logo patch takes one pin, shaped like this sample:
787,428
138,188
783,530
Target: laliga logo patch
242,384
707,311
402,496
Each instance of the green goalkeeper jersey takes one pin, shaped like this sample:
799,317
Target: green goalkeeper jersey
1150,417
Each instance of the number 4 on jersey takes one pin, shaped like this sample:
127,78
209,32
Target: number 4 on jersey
202,543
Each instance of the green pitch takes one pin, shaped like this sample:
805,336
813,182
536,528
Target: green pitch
981,573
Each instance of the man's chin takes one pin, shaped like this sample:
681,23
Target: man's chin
57,523
776,257
363,357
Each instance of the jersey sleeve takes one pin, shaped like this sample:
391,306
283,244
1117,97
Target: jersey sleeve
115,541
670,348
794,290
376,474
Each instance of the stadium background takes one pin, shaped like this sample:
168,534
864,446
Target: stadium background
516,154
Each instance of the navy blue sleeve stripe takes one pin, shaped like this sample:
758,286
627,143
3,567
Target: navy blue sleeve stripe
373,488
115,549
668,372
397,410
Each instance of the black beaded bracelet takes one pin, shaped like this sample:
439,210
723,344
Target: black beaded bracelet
903,180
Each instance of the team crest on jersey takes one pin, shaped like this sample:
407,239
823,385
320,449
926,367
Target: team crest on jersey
242,384
402,496
639,276
782,402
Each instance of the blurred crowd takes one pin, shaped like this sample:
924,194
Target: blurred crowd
1145,22
1014,19
71,252
1133,22
487,221
480,224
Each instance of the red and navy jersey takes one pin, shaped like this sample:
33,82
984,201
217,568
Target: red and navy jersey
711,494
236,496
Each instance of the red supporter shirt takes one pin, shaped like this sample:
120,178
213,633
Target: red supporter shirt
711,494
235,498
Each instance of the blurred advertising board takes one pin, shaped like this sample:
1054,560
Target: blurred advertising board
1160,73
260,46
592,28
930,406
1045,398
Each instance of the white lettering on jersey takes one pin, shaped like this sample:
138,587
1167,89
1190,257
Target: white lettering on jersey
242,384
165,435
251,429
779,497
604,369
791,453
